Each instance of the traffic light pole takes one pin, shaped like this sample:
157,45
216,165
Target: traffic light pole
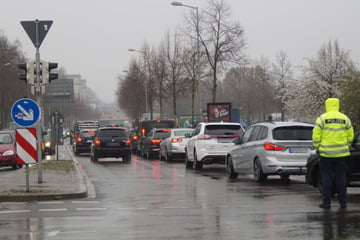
38,100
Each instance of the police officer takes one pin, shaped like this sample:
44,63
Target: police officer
332,136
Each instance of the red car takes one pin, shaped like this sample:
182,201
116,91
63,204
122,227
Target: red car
8,150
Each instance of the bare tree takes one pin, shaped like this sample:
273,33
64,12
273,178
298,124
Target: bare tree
175,66
282,72
221,40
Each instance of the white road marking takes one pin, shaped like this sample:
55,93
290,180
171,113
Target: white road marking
90,209
53,210
53,233
52,202
15,211
85,202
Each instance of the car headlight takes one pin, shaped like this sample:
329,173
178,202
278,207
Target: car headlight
8,153
47,144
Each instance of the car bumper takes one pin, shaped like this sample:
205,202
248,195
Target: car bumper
113,152
7,161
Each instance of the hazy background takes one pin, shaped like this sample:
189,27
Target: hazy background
92,38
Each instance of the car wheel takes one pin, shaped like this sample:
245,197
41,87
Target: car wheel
14,166
95,157
167,157
258,172
230,168
196,164
127,158
285,177
188,164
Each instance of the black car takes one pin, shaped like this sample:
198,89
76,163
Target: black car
353,166
83,142
151,143
110,142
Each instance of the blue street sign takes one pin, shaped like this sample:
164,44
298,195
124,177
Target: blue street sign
25,112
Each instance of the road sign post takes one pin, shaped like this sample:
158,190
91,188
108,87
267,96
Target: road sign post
37,31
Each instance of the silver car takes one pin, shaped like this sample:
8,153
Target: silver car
174,145
271,148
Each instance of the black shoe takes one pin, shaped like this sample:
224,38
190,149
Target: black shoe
324,206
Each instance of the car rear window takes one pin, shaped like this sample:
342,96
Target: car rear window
293,133
181,133
223,130
112,133
162,134
87,134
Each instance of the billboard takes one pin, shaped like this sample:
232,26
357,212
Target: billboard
219,112
184,121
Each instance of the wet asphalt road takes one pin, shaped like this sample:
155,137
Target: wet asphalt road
152,199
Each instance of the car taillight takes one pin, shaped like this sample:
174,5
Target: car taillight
204,137
135,137
75,135
273,147
175,140
155,141
128,142
97,141
79,139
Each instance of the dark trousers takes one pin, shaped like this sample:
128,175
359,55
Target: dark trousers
333,171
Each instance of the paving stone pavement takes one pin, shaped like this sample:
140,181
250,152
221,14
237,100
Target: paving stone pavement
56,182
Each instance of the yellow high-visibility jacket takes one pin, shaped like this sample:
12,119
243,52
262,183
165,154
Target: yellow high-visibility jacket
333,132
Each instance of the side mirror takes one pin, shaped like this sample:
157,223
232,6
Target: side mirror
237,141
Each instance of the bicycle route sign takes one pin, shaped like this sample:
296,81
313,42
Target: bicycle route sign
25,112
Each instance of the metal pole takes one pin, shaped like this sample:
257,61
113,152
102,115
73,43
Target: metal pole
38,100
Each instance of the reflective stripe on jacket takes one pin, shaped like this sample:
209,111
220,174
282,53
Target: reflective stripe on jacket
333,132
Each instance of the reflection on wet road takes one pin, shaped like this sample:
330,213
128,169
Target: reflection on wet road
151,199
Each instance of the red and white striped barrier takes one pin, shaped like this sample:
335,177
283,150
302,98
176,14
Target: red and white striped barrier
26,147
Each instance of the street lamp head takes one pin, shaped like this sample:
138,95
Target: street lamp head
175,3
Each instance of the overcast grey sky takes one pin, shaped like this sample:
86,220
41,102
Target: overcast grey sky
92,38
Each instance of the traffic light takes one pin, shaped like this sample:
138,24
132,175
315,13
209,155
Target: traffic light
46,75
29,75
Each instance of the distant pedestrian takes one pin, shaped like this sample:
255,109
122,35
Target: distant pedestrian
332,136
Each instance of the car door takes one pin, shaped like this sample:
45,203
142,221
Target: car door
191,143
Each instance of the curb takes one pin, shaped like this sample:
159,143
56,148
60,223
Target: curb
27,197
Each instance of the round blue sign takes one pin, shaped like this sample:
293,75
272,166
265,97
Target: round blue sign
25,112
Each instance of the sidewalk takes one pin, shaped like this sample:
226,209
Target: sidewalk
61,179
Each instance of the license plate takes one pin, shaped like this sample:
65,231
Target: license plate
225,140
113,144
89,141
298,150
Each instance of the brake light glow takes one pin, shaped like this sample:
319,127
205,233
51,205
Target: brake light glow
79,139
97,141
155,141
204,137
175,140
166,130
273,147
91,131
128,142
135,137
143,131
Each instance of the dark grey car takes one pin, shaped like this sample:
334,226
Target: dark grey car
110,142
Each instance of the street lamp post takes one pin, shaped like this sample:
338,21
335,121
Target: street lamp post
196,74
146,60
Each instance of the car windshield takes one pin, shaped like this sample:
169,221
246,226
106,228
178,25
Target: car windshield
112,133
223,130
5,138
293,133
181,133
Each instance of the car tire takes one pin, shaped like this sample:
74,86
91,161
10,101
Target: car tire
168,158
258,172
196,164
14,166
127,159
95,157
160,156
230,168
188,164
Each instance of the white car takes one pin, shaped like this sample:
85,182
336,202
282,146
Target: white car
210,143
174,145
271,148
